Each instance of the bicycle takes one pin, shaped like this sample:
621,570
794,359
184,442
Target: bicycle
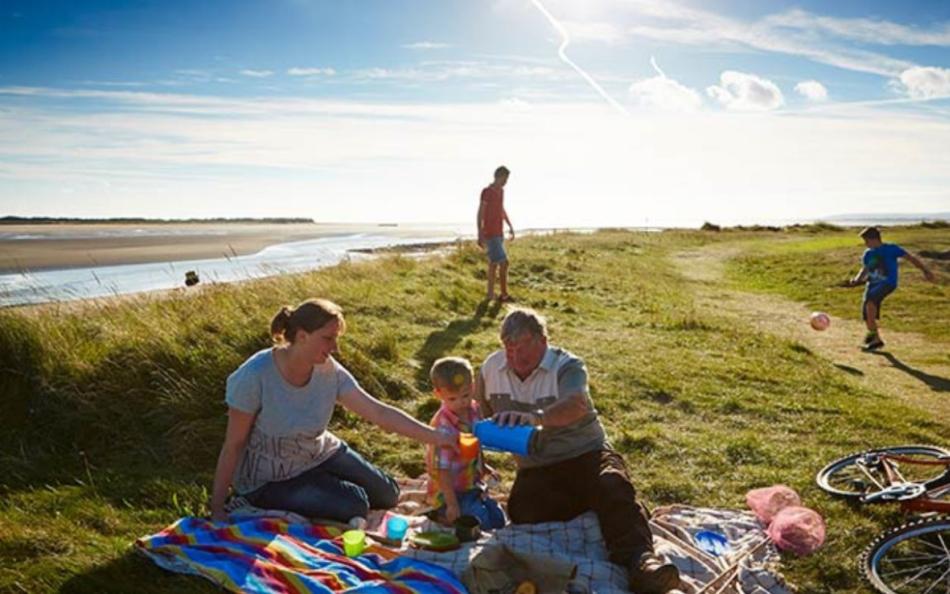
913,558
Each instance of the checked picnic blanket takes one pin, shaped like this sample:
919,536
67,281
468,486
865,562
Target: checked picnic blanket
751,566
273,555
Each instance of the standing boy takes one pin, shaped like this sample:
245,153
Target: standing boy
879,270
456,485
491,236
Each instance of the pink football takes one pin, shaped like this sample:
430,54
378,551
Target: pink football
820,320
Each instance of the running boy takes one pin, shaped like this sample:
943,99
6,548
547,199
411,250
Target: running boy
879,270
491,235
456,486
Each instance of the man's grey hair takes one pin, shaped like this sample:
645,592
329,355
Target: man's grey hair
522,320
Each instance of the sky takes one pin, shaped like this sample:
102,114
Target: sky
608,112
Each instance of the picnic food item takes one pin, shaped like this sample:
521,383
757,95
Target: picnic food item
434,540
526,587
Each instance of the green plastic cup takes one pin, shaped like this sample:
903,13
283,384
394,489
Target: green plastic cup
354,542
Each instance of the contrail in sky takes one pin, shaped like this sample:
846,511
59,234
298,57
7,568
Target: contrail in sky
565,41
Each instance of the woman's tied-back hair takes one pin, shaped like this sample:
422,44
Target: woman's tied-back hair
308,316
523,320
451,373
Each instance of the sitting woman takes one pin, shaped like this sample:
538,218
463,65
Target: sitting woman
277,452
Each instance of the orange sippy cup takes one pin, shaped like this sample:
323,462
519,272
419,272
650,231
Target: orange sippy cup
468,446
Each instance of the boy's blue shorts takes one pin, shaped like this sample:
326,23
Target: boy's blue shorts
875,294
495,246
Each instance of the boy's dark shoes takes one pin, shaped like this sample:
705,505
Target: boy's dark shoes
873,345
649,575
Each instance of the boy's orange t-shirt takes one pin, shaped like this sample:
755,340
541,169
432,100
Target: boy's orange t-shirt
493,209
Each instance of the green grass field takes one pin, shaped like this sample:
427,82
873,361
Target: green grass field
808,269
113,413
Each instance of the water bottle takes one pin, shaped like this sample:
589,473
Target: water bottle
516,439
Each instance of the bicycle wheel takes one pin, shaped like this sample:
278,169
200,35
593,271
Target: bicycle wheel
862,474
911,559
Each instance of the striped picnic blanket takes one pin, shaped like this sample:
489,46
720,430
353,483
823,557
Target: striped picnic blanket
274,556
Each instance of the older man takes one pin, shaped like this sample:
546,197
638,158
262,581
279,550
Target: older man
571,468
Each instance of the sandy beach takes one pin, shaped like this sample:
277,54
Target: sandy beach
54,247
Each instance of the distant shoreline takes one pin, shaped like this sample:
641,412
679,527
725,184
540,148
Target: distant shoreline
41,247
10,220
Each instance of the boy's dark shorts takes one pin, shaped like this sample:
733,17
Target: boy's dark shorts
875,294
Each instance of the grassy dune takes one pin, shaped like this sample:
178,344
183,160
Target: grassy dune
113,414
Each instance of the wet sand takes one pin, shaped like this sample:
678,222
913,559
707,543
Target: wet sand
56,247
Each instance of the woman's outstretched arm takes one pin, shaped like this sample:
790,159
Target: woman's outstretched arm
239,428
393,419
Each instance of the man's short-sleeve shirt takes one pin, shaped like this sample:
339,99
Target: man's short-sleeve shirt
559,375
881,263
289,435
493,209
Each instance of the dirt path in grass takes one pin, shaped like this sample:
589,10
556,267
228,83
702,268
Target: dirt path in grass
906,368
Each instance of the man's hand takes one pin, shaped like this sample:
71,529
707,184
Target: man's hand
929,275
481,242
511,232
512,418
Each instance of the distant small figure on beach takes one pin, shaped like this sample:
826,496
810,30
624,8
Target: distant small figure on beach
491,235
191,278
879,271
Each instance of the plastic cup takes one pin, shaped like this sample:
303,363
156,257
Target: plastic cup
468,446
516,439
354,542
396,528
467,528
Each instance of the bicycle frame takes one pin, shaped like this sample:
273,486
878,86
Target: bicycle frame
929,499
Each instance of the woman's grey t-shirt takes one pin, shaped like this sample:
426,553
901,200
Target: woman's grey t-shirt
289,435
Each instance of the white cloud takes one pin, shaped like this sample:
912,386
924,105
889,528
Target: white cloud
199,155
257,73
864,30
927,82
462,69
812,90
297,71
426,45
665,93
826,40
746,92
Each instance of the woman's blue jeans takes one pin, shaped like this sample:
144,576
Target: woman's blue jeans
343,486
